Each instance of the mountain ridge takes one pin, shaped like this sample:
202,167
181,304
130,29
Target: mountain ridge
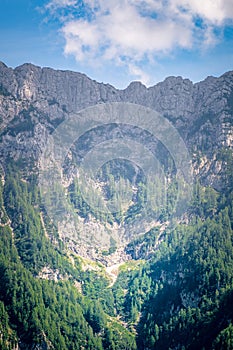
52,95
171,286
209,77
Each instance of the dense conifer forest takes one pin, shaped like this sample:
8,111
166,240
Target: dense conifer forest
180,297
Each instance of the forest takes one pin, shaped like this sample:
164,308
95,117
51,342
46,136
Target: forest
179,296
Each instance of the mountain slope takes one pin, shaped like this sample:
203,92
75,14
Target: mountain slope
41,98
169,287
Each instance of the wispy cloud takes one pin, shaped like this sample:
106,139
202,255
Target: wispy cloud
131,32
55,4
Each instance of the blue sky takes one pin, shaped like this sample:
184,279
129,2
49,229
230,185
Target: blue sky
117,41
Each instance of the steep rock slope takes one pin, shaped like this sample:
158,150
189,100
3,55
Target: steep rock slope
34,101
202,112
176,290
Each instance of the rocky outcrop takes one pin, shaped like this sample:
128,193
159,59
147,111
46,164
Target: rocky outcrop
201,112
34,101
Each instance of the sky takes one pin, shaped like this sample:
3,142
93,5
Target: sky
119,41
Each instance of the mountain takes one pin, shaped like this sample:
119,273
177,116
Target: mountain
201,112
80,277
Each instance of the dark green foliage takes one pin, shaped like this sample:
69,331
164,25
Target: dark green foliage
83,209
191,298
179,297
3,214
8,339
45,312
144,245
22,205
224,340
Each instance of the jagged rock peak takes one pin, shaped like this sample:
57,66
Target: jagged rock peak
133,86
136,85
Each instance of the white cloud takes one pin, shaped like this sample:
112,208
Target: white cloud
214,11
60,3
132,31
139,74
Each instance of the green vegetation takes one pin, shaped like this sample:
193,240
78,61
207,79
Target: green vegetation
48,311
191,297
127,195
176,293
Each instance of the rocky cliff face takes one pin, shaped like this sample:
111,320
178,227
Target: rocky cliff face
34,101
201,112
